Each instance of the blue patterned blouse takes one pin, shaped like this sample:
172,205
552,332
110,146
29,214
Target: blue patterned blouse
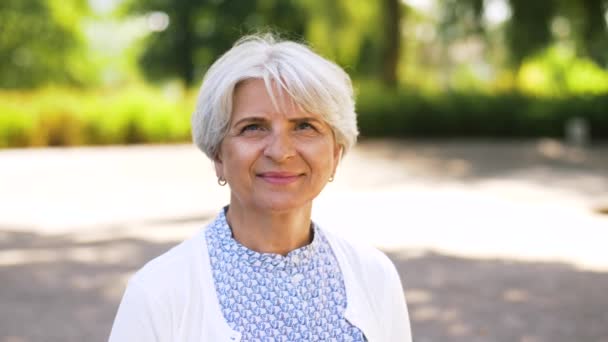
270,297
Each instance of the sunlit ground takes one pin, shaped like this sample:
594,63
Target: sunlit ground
494,241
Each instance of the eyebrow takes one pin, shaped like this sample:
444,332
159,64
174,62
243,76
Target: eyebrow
250,119
262,119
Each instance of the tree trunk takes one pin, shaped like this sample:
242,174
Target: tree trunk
392,43
594,32
185,45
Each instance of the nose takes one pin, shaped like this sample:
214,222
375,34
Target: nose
280,147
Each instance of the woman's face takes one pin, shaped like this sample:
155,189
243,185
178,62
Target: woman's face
274,160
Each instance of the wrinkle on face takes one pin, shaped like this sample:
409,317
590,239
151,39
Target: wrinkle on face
263,139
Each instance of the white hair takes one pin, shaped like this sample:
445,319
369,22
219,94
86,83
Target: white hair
314,83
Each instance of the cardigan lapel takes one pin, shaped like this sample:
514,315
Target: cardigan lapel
216,329
359,311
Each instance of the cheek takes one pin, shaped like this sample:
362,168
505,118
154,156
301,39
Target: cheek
323,158
239,158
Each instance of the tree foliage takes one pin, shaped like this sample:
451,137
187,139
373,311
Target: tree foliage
38,40
594,32
529,29
200,31
42,41
392,43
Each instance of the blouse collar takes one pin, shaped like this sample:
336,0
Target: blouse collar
269,261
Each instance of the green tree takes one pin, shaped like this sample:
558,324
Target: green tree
362,36
199,31
594,31
38,40
529,29
392,43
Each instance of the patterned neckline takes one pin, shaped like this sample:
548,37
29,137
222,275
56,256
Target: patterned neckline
268,261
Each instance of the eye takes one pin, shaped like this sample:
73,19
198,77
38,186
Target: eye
304,125
251,127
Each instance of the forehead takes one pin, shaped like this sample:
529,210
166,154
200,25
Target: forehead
252,97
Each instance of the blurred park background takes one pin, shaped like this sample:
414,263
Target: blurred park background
97,72
482,168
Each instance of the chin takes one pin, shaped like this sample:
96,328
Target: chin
280,204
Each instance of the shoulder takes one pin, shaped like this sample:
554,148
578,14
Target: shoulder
375,287
153,302
173,270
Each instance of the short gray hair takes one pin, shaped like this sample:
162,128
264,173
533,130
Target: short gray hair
313,82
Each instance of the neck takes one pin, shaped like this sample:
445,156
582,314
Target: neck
270,232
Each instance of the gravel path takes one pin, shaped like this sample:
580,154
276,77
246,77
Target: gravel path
494,241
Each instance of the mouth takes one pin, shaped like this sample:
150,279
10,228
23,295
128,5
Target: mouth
280,177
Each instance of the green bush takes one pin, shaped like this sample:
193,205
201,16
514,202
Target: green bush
402,113
67,117
62,117
16,126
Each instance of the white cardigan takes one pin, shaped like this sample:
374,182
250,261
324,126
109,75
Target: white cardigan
173,297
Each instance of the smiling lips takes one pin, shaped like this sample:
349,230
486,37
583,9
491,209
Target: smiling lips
280,178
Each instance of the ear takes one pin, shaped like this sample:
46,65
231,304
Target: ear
337,156
218,164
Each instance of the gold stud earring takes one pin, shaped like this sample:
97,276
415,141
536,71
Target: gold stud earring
331,178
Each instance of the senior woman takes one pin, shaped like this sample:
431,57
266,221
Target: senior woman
275,118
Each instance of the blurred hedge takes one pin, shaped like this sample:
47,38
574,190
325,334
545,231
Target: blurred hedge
399,113
63,117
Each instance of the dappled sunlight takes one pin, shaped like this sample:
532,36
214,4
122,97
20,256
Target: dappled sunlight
557,71
493,205
116,254
553,149
114,288
515,295
455,219
459,299
475,162
15,339
459,329
515,230
425,313
603,210
418,296
92,188
423,308
151,231
531,338
50,280
458,167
